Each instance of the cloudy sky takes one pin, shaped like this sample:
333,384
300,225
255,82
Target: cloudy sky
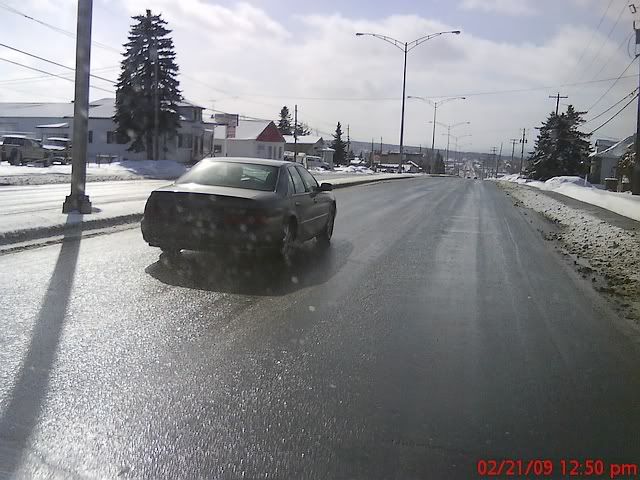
252,57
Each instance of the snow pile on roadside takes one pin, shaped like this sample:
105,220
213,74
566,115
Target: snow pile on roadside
122,170
353,169
610,252
621,203
164,169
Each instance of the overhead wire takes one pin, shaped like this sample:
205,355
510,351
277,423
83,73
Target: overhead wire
615,114
612,106
586,48
50,74
53,62
612,85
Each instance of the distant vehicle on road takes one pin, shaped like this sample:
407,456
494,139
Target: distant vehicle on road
20,149
247,204
59,149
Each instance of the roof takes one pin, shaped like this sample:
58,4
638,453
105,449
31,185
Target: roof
102,108
250,129
187,103
255,161
617,149
303,139
53,125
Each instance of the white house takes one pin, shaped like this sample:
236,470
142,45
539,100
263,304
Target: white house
604,161
250,138
41,120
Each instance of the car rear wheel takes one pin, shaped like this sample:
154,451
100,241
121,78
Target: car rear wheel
325,237
288,239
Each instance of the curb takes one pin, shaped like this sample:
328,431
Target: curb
34,237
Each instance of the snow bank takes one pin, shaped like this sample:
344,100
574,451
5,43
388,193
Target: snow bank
353,169
623,204
165,169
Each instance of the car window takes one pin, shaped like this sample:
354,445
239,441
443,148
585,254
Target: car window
307,178
232,174
297,180
290,186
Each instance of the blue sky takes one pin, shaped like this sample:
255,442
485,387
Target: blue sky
253,57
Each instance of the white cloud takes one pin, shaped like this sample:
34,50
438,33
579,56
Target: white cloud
505,7
251,62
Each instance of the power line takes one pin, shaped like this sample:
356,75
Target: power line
51,74
612,85
586,48
53,27
624,7
615,115
605,64
612,106
52,62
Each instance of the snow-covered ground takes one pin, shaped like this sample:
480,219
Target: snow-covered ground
124,170
601,249
342,170
623,204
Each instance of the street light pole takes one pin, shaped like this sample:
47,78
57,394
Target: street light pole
404,87
77,200
406,47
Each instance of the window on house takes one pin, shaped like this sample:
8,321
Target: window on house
185,140
217,149
270,150
90,136
280,153
114,137
260,150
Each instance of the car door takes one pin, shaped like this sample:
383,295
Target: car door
302,204
321,204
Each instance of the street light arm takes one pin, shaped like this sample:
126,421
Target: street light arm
391,40
439,123
418,41
461,123
445,100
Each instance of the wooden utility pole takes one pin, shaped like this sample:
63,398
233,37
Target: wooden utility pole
558,97
493,156
523,140
295,133
348,146
77,200
513,141
635,175
498,159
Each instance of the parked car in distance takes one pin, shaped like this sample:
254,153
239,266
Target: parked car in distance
247,204
20,149
59,149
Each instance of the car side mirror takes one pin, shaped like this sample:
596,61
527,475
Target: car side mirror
325,187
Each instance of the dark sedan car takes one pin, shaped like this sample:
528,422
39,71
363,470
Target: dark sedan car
243,203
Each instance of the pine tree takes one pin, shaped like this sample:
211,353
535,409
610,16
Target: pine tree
560,149
302,129
149,44
340,147
439,166
285,122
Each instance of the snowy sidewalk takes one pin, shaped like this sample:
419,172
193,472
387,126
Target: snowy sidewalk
29,213
623,204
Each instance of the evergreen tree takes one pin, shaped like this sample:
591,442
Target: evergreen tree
149,49
285,122
438,166
626,162
302,129
560,149
340,147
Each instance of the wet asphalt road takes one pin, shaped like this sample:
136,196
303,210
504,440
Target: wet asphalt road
439,329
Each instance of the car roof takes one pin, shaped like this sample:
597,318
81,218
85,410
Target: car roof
15,136
255,161
62,139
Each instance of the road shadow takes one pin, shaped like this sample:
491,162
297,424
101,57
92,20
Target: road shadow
224,272
24,405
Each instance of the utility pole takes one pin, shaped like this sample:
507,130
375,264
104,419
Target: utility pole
348,145
513,141
498,159
77,200
372,154
635,177
448,136
295,133
522,141
557,97
404,89
493,156
156,100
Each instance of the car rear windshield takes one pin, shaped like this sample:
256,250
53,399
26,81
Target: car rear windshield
231,174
